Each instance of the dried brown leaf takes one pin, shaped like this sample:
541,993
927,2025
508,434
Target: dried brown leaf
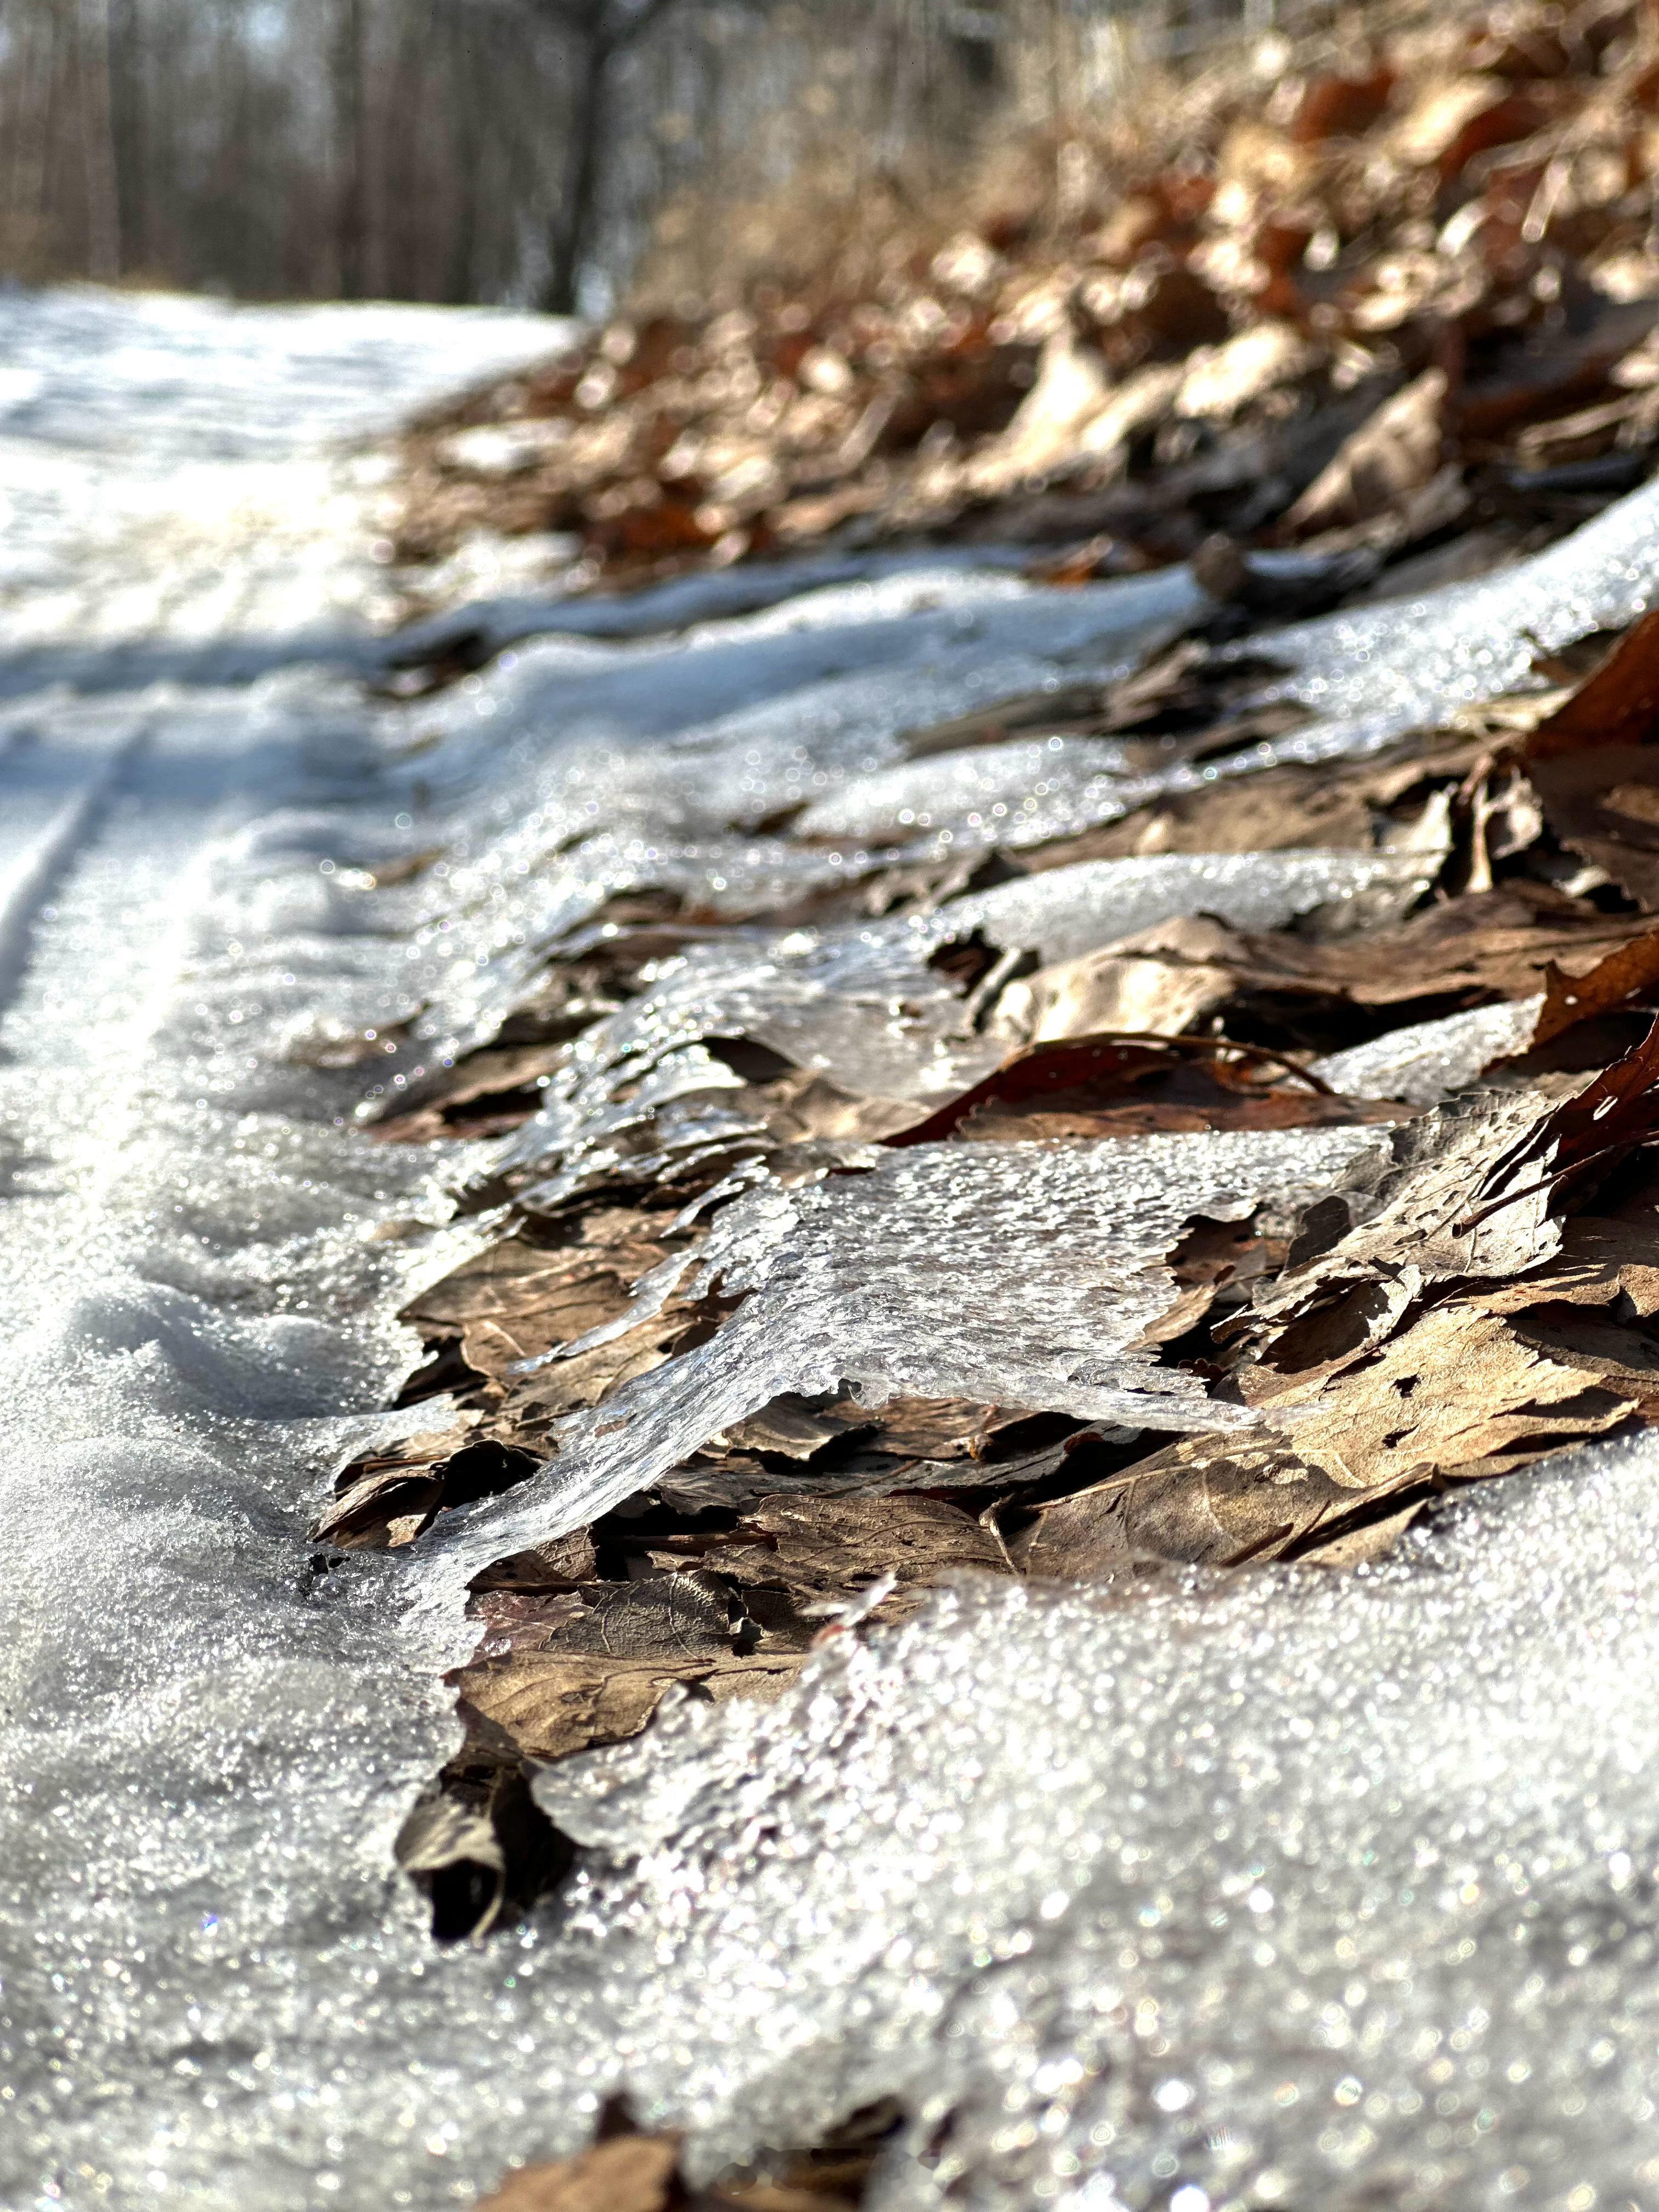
631,2173
1159,980
1613,981
1073,1086
1616,704
1595,768
548,1705
835,1547
1461,952
1395,452
1209,1501
1460,1393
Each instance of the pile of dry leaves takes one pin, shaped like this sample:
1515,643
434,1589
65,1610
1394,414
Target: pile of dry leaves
1402,300
1361,297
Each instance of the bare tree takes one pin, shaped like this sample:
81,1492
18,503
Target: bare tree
98,141
351,219
598,32
486,150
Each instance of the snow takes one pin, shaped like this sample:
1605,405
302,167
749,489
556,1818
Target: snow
177,473
1293,1889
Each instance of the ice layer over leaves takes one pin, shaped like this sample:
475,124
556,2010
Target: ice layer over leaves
1426,1061
1367,675
943,1272
863,1005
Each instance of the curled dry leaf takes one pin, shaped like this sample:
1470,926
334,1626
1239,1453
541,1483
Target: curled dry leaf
1159,980
546,1705
1630,971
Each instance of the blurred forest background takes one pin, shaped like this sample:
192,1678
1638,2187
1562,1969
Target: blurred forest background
531,151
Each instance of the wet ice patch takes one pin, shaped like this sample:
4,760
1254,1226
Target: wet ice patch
1426,1061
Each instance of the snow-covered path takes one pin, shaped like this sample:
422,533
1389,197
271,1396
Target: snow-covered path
202,1762
178,491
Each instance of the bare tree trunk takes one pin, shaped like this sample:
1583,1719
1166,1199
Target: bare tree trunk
130,131
469,90
574,222
351,231
98,143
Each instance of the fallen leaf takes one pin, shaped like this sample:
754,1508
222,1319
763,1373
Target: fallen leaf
826,1548
477,1847
1459,1392
1628,970
631,2173
1616,704
492,1092
1393,453
1214,1084
548,1705
839,1448
1595,768
1157,981
1461,951
1207,1501
628,2171
1404,1226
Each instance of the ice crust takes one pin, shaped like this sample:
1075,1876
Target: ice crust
862,1005
1292,1890
1426,1061
1018,1274
1376,671
813,590
559,752
1367,675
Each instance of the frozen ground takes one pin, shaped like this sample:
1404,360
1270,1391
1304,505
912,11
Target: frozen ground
1303,1891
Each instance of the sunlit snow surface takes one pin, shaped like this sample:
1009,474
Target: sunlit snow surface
173,476
1298,1890
1290,1890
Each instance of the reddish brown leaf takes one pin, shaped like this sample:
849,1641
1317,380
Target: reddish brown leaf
1618,704
1340,106
1569,1000
1095,1069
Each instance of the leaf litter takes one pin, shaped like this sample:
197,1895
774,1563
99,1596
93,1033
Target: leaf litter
1084,1216
1381,293
1190,1108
